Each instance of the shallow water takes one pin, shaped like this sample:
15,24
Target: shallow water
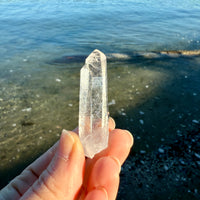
155,97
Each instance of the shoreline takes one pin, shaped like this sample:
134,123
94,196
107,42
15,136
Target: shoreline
130,56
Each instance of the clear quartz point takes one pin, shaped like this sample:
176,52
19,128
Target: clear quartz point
93,108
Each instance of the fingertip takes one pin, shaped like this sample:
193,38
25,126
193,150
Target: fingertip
105,174
117,162
131,138
97,194
77,141
69,159
104,170
120,143
122,135
66,144
69,152
111,123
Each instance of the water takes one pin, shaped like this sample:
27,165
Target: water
40,85
75,27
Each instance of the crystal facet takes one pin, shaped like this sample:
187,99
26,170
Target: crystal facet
93,108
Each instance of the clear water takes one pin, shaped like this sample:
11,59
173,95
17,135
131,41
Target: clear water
77,27
39,97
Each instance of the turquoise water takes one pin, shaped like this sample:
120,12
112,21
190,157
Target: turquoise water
39,86
77,27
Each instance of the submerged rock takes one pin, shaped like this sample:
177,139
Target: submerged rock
128,56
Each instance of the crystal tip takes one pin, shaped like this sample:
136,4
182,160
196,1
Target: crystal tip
96,54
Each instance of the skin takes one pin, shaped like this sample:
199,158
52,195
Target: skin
63,172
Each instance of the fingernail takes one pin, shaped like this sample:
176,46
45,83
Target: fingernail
102,189
111,124
66,144
117,162
131,137
112,120
98,192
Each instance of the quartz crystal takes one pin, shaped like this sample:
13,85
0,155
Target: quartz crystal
93,108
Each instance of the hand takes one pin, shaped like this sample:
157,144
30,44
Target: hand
63,172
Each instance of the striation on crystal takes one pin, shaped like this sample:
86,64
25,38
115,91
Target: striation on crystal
93,108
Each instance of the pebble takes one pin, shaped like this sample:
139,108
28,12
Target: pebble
180,116
58,80
70,104
182,162
146,86
1,99
142,162
142,151
141,112
112,102
195,121
141,121
14,125
182,125
166,167
183,179
179,133
160,150
26,110
197,155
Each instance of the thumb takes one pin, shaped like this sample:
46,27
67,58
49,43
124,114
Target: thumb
63,178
